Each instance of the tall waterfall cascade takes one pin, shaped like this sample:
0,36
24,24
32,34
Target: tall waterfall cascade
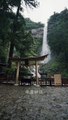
45,46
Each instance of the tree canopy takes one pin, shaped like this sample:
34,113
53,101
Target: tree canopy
12,24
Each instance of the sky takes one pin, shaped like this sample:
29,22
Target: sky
45,10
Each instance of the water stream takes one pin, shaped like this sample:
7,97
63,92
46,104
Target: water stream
45,46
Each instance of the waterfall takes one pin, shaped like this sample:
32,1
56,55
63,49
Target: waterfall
45,46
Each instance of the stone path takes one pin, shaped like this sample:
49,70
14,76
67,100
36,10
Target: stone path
33,103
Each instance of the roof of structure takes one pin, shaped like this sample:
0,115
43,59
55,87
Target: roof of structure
31,60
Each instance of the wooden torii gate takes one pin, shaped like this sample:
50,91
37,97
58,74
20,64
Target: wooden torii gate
28,61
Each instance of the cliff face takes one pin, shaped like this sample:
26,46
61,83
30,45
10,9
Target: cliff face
38,32
35,28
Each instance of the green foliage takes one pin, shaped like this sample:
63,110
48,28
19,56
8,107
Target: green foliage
24,71
58,32
64,73
52,67
25,45
9,71
37,46
32,25
58,40
12,27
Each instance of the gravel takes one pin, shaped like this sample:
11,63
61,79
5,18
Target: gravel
33,103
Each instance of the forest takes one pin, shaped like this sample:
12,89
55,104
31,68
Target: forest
57,37
16,37
15,31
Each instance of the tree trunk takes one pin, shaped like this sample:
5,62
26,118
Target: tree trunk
10,54
13,38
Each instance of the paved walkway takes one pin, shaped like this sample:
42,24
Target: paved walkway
33,103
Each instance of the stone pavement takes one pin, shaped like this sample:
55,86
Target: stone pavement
33,103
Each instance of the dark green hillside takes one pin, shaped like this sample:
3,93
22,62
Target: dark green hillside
13,32
32,25
26,43
58,41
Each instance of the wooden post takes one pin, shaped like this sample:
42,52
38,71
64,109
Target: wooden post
37,82
17,74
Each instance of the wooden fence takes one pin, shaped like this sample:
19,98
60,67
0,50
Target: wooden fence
42,81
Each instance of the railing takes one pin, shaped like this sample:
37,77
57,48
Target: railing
47,81
23,80
4,78
64,81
